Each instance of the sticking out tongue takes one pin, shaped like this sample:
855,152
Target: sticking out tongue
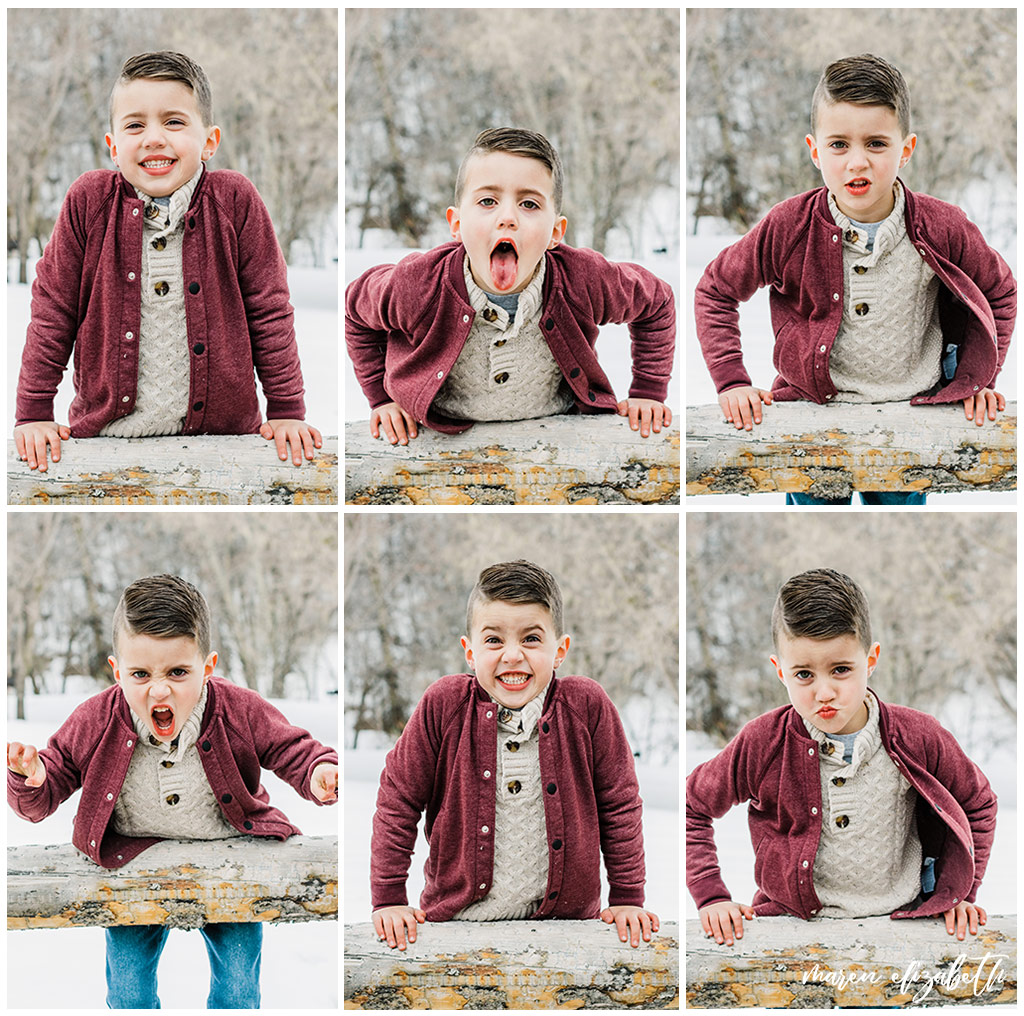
504,266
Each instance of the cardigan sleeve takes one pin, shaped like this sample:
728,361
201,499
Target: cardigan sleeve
619,808
55,308
406,785
994,278
368,304
263,281
732,278
712,789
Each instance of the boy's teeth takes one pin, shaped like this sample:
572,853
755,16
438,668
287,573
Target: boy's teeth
514,678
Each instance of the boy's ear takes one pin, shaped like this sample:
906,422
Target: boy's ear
813,146
109,139
563,648
211,662
778,668
454,223
464,642
558,233
212,143
909,144
113,666
873,653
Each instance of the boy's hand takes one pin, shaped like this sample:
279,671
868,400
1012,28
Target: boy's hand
645,415
24,759
297,433
965,917
631,921
390,924
397,424
718,919
986,400
742,406
323,782
31,440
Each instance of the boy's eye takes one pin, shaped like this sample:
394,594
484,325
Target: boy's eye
488,202
842,670
175,123
530,204
532,638
140,675
803,675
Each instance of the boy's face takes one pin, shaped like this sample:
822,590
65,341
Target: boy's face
158,137
859,150
506,219
514,650
827,679
162,679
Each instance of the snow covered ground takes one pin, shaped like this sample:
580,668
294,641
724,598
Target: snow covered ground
314,295
64,968
659,788
612,346
758,341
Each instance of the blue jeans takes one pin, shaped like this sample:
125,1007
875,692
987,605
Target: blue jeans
866,496
133,952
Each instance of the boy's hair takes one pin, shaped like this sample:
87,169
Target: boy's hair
163,606
516,582
864,80
821,604
167,66
515,141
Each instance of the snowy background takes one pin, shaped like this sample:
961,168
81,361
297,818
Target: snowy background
64,968
314,295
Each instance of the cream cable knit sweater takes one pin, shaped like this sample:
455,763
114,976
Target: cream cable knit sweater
161,401
869,855
166,792
505,371
889,346
520,877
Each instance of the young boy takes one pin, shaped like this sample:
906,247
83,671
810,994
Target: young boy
525,778
501,323
878,294
170,751
167,281
858,808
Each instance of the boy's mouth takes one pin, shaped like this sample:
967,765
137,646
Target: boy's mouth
827,712
158,166
858,186
163,720
513,680
504,264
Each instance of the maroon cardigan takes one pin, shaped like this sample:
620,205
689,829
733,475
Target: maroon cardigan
406,324
445,763
797,251
773,763
241,732
87,297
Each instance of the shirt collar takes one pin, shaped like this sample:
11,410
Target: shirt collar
166,217
869,738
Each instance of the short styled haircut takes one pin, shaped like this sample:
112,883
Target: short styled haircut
821,604
516,582
864,80
165,607
167,66
515,141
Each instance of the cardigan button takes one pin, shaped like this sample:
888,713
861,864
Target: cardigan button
226,798
828,396
805,864
465,318
487,774
440,374
247,824
191,222
193,288
489,713
129,742
125,398
955,900
544,726
551,896
207,746
821,349
110,797
131,276
549,324
556,844
835,296
135,211
592,396
197,406
485,829
92,843
551,788
129,335
198,348
814,811
483,885
575,372
810,751
835,237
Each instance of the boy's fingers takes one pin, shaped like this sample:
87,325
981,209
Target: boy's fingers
410,924
410,425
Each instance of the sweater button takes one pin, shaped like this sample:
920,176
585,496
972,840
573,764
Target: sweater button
162,289
167,764
159,243
842,821
861,309
247,824
193,288
207,746
838,781
173,799
551,788
226,798
500,343
500,379
512,746
860,270
505,715
514,787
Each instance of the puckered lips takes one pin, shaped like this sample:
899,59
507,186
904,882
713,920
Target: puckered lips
859,185
158,165
163,721
827,712
514,680
504,264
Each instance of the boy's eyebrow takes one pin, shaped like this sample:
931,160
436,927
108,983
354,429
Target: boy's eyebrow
520,191
529,627
831,663
162,113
